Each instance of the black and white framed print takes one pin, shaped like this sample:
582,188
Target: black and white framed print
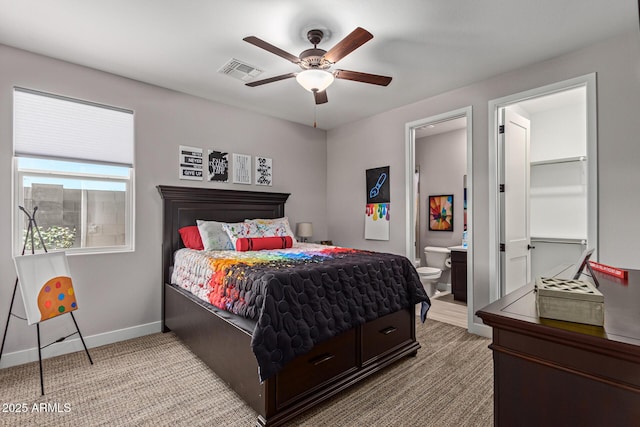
241,168
190,163
264,171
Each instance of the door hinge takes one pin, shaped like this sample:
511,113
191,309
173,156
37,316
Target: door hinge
501,188
501,129
502,248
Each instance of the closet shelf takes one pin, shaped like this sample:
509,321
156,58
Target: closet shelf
561,160
566,190
566,240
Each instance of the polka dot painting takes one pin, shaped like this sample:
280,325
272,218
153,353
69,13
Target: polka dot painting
56,297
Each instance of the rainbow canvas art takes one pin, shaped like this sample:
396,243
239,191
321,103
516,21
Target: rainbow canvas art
376,221
376,218
46,286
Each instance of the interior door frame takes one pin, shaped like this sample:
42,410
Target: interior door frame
410,161
589,82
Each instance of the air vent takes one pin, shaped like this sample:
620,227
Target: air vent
239,70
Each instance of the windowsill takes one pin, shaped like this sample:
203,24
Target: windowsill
73,253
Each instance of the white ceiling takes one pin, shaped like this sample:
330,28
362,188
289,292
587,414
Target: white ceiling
427,46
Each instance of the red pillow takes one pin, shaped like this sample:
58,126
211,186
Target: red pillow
191,237
258,243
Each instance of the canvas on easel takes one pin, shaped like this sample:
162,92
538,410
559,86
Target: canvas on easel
46,286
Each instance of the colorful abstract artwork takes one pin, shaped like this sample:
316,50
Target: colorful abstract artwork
441,213
376,219
45,283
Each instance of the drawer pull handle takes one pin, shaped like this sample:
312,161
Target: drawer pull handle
387,331
321,359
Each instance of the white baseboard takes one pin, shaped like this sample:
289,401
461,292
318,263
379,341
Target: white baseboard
73,345
481,329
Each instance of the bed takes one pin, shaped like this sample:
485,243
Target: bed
223,341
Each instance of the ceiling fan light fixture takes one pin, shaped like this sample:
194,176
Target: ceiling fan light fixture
315,80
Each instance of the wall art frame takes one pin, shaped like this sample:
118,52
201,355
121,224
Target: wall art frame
440,211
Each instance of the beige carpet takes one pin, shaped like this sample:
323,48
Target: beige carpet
155,380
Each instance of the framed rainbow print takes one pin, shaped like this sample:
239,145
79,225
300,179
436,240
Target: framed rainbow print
441,213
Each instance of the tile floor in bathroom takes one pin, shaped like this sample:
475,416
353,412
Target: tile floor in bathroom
445,309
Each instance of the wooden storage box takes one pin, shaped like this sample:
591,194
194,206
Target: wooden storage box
569,300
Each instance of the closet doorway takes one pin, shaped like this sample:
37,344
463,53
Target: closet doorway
544,190
417,197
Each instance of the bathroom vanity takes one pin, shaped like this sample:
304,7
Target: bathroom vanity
459,273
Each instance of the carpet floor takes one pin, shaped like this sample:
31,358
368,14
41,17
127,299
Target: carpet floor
155,380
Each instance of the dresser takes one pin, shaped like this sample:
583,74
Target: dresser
554,373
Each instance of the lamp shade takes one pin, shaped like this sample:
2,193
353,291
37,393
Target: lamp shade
315,80
304,229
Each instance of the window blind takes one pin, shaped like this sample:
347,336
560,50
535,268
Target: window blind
57,127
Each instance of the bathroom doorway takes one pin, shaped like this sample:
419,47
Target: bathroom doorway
544,197
439,164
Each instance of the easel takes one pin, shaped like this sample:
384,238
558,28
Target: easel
30,236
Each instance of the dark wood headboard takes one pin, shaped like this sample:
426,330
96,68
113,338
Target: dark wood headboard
182,206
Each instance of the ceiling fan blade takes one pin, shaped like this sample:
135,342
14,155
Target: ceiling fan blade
271,48
321,97
362,77
271,79
354,40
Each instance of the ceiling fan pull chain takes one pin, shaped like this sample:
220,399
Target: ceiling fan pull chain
315,114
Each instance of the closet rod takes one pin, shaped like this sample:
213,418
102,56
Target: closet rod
561,160
559,240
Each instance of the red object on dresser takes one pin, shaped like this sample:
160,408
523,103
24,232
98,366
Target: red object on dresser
607,269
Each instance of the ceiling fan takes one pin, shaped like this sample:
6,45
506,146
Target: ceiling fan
316,63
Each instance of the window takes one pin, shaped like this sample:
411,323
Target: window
73,160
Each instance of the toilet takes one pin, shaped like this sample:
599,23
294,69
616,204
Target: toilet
438,260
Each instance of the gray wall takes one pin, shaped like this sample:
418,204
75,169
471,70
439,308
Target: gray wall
118,291
443,163
353,148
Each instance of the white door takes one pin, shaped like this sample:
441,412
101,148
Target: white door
514,202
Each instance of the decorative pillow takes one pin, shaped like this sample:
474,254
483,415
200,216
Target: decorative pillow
214,238
259,243
239,230
274,227
191,237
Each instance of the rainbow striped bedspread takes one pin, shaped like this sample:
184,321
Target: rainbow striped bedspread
299,296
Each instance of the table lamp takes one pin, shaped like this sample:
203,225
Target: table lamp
304,230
